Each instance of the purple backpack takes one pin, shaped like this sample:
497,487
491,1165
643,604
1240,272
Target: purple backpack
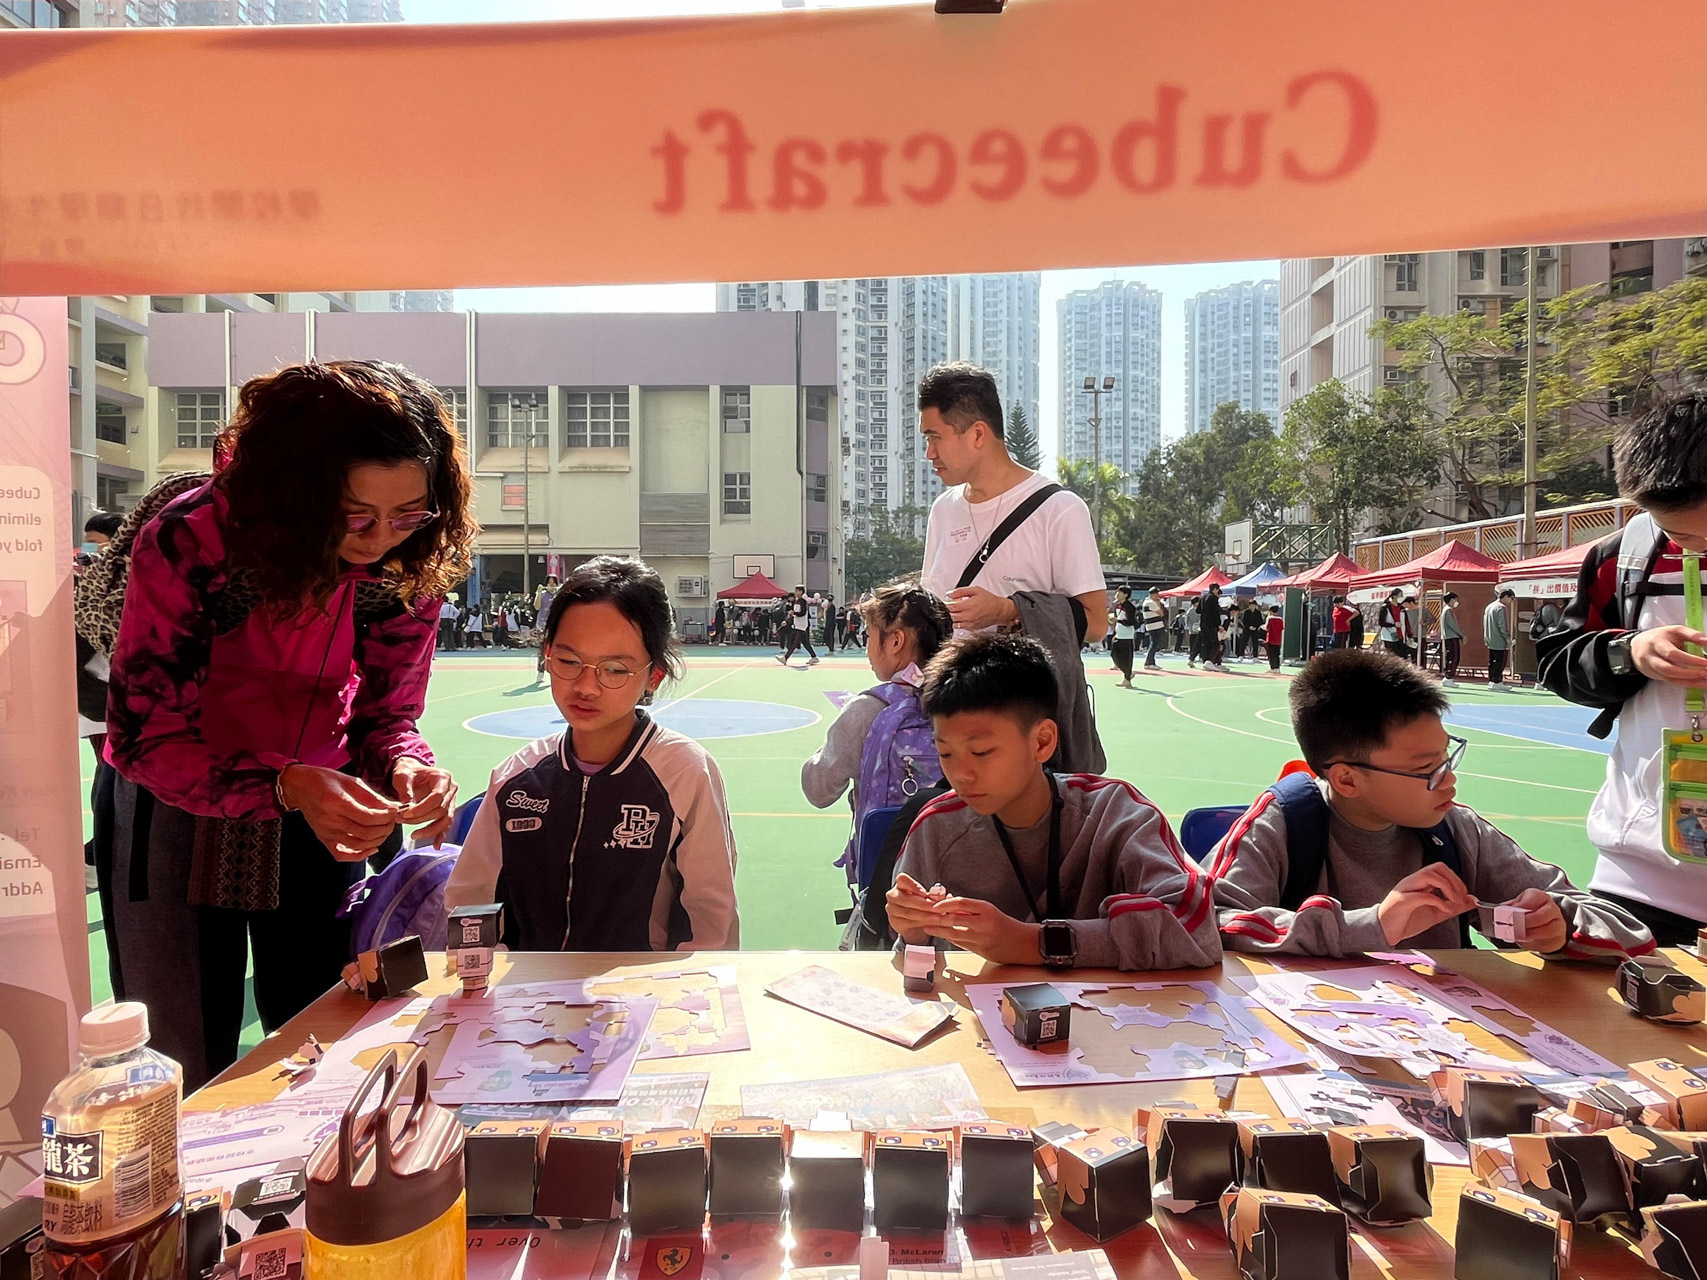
407,897
900,753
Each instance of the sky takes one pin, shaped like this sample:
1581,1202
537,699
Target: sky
1176,283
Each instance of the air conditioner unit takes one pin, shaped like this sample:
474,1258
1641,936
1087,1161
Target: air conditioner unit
1392,375
1548,253
1393,313
1472,304
690,588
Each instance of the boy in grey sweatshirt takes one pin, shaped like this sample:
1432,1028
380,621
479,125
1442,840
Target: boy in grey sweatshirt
1024,866
1369,724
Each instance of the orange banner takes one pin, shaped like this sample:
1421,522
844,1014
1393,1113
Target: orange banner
1063,133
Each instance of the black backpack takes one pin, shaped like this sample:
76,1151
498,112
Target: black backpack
867,921
1306,814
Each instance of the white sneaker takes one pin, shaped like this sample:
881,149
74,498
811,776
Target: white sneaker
1492,685
780,658
811,662
1450,684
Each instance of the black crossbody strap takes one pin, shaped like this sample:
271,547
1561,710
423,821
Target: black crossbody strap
1053,885
1018,516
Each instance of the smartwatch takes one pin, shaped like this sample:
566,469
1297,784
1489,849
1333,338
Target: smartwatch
1055,941
1618,658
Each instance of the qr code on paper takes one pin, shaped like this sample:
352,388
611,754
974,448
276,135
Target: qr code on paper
272,1264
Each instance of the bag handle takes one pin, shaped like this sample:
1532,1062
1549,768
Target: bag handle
352,1125
413,1074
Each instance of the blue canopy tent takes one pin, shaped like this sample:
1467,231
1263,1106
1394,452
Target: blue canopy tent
1255,583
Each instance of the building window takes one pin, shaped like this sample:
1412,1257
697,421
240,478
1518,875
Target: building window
200,414
817,545
818,404
456,400
109,423
737,493
1514,268
597,419
113,354
515,419
737,411
515,494
817,488
1405,272
1478,264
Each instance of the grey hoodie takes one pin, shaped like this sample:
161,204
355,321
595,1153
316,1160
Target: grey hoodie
1250,866
1135,899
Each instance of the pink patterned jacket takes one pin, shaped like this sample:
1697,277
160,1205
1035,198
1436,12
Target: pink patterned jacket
210,696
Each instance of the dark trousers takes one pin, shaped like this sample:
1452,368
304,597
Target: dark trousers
1274,657
1121,650
798,636
447,634
1155,647
1669,929
1452,651
186,963
101,805
1496,665
1342,639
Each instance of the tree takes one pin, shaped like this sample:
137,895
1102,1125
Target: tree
1091,481
890,551
1356,456
1022,440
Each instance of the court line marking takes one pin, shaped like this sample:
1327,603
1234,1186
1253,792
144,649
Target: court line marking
1525,745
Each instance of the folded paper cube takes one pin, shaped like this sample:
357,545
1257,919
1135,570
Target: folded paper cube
500,1161
1036,1014
393,969
1195,1152
748,1160
1505,1236
1674,1239
479,926
996,1177
1280,1235
1575,1174
826,1171
1657,990
667,1175
581,1178
1682,1094
909,1180
1102,1183
1383,1173
204,1232
1660,1164
1485,1104
1287,1155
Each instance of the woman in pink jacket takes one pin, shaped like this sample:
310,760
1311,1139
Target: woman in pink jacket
271,663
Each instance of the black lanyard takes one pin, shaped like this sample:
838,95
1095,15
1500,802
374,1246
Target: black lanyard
1054,864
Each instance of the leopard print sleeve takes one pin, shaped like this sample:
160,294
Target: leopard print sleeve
159,665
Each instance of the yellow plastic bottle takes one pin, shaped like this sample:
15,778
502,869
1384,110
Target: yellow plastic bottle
385,1193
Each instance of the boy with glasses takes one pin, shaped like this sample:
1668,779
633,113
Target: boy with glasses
1373,852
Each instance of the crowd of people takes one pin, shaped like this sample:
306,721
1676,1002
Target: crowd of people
275,629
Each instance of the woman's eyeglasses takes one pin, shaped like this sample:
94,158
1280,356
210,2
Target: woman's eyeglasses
1434,777
568,668
409,523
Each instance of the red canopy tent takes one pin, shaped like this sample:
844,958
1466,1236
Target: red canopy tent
1332,574
1450,562
1552,575
755,589
1212,576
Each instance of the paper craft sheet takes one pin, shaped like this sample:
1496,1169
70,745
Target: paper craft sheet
1085,1264
1330,1099
699,1010
918,1098
1392,1012
1121,1033
498,1060
889,1015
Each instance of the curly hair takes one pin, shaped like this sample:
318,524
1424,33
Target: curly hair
282,462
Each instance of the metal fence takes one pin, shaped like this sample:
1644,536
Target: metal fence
1501,539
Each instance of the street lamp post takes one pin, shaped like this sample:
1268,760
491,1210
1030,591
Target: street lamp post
1529,545
527,499
1096,393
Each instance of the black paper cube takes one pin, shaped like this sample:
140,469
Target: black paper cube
1196,1154
394,969
747,1163
204,1233
909,1181
826,1171
1658,1165
996,1172
1502,1236
581,1178
1577,1175
1282,1235
500,1161
1654,989
1102,1185
477,926
1288,1155
1486,1104
1674,1239
667,1176
1036,1014
1384,1174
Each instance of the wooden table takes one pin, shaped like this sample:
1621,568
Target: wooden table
792,1044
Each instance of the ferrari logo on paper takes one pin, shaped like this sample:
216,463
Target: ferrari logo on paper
673,1259
639,824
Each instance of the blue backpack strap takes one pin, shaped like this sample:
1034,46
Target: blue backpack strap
1440,846
1306,815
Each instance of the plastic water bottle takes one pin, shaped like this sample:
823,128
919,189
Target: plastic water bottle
111,1191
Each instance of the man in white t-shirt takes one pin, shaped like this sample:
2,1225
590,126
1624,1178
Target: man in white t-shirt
1054,551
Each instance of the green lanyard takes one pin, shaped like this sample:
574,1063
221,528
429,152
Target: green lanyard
1694,701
